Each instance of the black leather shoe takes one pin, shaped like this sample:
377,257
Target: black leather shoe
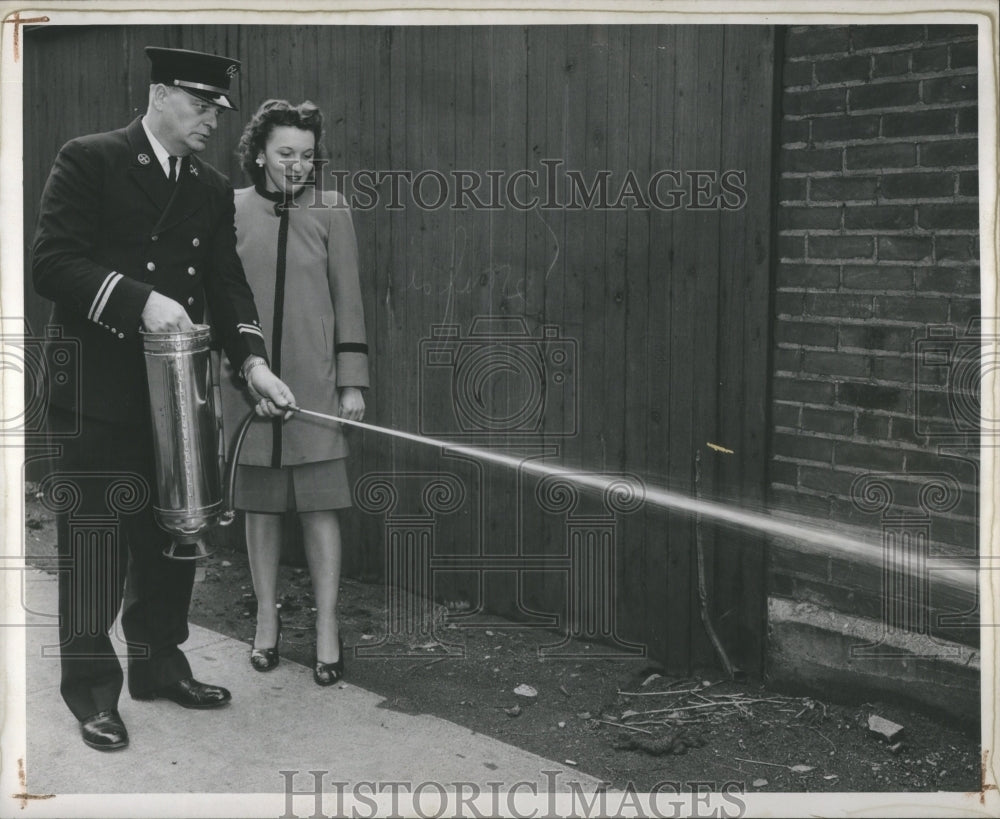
264,659
190,693
329,673
104,731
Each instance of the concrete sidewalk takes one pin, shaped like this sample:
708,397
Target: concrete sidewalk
280,721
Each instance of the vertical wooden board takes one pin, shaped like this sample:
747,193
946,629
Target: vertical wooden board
434,229
658,354
336,81
357,72
384,284
267,72
477,80
422,154
509,264
507,392
585,293
483,302
543,227
736,152
92,107
406,267
555,45
637,366
33,111
582,149
474,139
519,117
745,285
253,78
352,67
366,445
585,306
39,132
545,242
382,258
537,529
452,94
704,386
613,295
566,114
422,234
436,235
136,91
684,335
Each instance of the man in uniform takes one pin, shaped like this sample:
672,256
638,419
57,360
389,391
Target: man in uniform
136,233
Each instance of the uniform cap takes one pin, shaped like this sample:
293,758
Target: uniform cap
207,76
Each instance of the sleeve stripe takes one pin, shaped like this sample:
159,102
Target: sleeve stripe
249,328
103,294
350,347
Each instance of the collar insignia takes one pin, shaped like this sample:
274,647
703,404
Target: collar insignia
143,159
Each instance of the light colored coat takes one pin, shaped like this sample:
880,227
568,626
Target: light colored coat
322,344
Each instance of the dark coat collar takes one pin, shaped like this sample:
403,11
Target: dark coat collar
282,201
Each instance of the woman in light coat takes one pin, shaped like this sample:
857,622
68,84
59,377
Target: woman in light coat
299,251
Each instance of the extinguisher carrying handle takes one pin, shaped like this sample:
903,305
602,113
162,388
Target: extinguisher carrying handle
229,515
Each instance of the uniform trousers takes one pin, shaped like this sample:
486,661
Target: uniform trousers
110,547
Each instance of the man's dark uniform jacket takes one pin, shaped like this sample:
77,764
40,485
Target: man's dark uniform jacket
112,227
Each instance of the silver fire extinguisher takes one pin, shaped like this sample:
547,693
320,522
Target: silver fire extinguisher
186,437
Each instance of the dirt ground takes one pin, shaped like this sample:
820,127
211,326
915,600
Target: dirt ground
621,720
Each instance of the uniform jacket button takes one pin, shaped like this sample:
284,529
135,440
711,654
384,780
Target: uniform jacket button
196,241
150,266
190,300
121,335
155,237
191,271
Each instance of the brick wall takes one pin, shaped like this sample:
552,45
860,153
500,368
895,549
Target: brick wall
878,243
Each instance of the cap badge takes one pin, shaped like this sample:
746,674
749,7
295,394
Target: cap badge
143,159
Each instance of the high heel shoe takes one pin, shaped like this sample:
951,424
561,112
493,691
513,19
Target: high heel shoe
329,673
265,659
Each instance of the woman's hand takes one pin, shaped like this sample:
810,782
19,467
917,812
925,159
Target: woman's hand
271,393
352,404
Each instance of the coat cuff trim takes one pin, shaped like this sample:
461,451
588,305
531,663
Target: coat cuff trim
103,294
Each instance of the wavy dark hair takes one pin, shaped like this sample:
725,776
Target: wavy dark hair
272,114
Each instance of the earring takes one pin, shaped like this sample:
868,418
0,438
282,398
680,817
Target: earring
260,161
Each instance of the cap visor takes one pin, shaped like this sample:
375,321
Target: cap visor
216,99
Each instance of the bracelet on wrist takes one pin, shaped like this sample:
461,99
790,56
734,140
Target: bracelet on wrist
249,364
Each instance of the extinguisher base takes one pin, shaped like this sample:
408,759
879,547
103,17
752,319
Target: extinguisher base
187,549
